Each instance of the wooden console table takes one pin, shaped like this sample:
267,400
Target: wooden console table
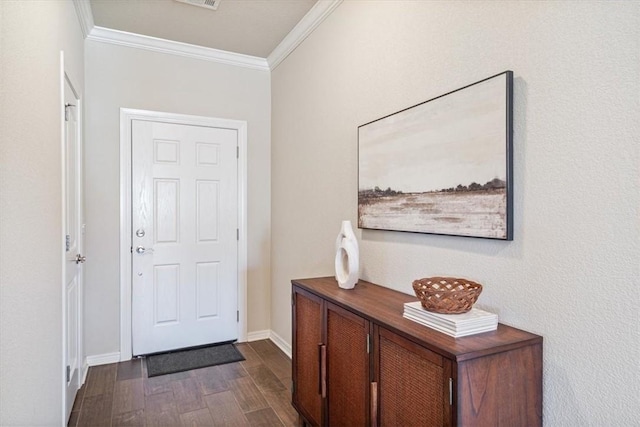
358,362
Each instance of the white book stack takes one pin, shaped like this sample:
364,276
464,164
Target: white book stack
474,321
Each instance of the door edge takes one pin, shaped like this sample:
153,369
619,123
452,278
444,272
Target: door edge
65,80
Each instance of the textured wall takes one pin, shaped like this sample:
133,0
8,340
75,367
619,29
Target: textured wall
32,34
572,272
133,78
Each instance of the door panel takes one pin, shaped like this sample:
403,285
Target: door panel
166,297
207,288
166,196
184,243
208,206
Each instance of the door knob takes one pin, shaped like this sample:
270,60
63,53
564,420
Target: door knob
80,259
142,250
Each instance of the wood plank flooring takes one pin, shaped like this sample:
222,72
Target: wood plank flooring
254,392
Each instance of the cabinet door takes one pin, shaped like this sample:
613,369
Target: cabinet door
413,383
307,342
348,374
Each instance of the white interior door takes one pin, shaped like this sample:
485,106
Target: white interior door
73,246
184,236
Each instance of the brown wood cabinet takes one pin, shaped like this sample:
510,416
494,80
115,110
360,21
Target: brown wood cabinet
357,362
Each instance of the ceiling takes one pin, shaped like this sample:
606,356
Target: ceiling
249,27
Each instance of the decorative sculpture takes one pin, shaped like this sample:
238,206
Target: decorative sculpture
347,253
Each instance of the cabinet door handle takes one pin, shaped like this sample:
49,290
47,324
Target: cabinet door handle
374,404
323,371
320,368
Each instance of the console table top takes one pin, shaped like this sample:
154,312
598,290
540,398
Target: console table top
385,306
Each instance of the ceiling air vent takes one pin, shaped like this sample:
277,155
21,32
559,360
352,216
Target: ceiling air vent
208,4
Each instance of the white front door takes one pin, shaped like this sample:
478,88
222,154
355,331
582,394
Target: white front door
184,236
73,246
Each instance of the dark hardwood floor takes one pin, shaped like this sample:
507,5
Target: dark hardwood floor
255,392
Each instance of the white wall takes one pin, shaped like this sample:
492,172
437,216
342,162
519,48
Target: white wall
572,272
133,78
31,36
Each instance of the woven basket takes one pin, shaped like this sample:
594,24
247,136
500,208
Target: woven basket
447,295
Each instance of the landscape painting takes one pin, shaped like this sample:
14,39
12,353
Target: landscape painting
443,166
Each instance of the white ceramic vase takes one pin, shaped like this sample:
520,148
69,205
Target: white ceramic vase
347,254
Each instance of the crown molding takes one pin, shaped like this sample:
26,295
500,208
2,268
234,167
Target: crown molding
302,30
154,44
297,35
85,16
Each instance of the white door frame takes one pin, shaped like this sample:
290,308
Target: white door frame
126,116
64,79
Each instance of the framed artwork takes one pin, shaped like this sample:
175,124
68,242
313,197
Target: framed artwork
443,166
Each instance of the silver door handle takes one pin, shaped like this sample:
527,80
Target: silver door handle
142,250
80,259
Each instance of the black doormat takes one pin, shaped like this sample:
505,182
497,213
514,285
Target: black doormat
185,360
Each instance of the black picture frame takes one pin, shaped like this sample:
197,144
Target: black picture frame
444,166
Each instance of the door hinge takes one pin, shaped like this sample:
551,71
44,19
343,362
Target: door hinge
66,111
237,234
238,316
68,373
450,391
131,249
368,344
67,243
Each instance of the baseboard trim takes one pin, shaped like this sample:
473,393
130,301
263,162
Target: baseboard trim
281,343
268,334
85,371
103,359
258,335
106,358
